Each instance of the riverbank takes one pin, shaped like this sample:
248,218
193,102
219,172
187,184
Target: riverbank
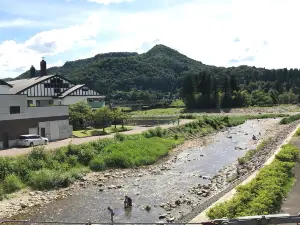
113,184
44,170
263,157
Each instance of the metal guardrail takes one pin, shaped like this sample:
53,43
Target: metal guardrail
32,222
248,220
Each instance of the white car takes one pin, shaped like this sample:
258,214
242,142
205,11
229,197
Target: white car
30,140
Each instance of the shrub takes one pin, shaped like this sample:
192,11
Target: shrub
84,152
97,164
5,167
290,119
119,137
37,153
12,183
48,179
72,160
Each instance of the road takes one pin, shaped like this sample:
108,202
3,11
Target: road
291,205
77,141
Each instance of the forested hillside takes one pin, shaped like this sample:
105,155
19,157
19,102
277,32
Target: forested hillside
162,70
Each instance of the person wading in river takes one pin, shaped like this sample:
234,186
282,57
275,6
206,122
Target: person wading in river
112,213
127,202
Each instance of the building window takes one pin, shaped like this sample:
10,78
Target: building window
29,103
44,103
14,109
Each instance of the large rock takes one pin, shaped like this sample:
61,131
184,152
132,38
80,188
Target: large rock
107,175
162,216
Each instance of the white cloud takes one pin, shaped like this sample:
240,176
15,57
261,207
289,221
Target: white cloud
203,31
107,2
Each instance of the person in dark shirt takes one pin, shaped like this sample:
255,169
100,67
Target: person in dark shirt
127,202
112,213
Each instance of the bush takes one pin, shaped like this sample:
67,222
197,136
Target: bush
47,179
119,137
97,164
265,193
290,119
37,153
73,160
84,152
12,183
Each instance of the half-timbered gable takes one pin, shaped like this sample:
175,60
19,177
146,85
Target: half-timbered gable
54,89
46,86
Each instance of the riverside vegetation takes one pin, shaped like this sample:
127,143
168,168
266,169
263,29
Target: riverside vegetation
265,193
59,168
290,119
43,170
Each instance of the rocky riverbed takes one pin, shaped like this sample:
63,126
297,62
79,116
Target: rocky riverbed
172,188
235,171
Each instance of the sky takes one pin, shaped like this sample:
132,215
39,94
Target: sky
262,33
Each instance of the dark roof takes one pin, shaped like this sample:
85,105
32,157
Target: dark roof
20,85
2,82
70,90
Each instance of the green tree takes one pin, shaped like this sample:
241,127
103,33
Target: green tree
118,116
261,98
80,113
103,116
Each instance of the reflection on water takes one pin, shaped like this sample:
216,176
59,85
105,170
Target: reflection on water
167,186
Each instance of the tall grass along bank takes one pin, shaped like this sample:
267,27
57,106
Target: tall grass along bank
266,192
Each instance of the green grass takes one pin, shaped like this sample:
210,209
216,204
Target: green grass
98,132
156,112
131,153
297,133
266,192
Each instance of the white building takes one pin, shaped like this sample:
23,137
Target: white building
16,119
54,90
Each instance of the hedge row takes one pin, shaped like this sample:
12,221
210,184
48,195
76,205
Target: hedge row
265,193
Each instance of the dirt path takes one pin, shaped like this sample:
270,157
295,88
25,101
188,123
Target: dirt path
77,141
291,205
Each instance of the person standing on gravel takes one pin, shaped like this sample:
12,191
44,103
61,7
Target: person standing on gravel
112,213
127,202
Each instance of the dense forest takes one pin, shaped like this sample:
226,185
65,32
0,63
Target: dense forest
209,89
162,72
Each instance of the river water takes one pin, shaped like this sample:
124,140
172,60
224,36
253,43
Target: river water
155,189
